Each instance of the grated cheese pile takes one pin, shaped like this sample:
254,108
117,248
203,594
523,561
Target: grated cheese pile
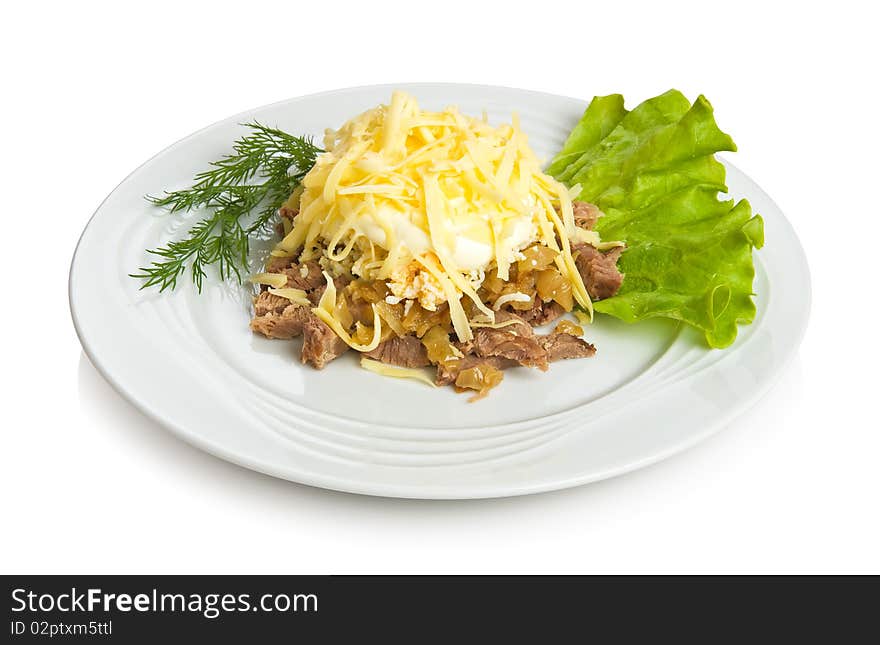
429,202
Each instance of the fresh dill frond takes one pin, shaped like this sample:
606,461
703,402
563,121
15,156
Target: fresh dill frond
242,191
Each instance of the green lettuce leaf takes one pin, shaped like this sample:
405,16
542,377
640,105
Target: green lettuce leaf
652,171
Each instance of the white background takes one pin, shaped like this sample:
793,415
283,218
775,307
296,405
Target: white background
92,90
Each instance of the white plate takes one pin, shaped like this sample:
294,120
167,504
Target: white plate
190,362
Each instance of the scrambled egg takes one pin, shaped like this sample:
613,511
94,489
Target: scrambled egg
412,283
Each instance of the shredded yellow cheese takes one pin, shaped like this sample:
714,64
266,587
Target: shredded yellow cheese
496,325
277,253
583,236
402,190
276,280
606,246
383,369
296,296
325,310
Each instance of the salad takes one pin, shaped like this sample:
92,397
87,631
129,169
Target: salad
435,243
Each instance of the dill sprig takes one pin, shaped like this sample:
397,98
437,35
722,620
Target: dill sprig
264,168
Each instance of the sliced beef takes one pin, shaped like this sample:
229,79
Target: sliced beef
448,373
560,346
585,214
277,317
320,344
598,270
515,324
265,303
306,276
404,351
541,312
514,341
278,265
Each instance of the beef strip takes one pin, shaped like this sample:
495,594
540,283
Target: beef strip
320,343
447,374
277,317
515,342
517,325
265,302
598,270
278,265
306,276
560,346
541,312
404,351
585,214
